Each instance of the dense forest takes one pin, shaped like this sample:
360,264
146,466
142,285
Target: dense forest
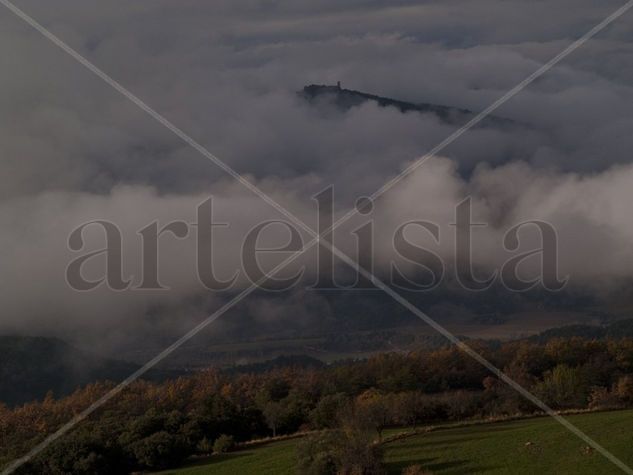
157,425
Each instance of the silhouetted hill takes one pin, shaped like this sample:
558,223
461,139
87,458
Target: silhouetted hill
345,99
32,366
283,361
583,331
618,329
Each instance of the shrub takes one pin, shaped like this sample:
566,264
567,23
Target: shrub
159,450
461,405
412,408
327,411
563,387
223,444
602,398
317,454
205,446
341,452
624,389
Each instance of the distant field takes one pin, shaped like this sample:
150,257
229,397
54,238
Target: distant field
489,448
501,447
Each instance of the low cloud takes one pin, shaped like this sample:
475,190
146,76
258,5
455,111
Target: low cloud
73,150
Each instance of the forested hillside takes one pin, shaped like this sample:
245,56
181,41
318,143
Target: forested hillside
31,367
158,425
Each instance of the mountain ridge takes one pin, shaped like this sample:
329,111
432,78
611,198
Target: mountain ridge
346,99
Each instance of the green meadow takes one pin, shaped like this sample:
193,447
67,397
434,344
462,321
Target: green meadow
530,446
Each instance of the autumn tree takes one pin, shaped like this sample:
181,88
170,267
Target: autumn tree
374,409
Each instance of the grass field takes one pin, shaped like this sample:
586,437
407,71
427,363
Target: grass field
496,448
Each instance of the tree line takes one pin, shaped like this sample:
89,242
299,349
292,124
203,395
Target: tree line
152,426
